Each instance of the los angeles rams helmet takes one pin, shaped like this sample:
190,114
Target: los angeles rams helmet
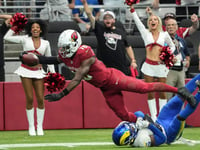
68,42
124,133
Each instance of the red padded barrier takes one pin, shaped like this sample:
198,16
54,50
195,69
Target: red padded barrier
98,115
66,113
63,114
15,106
1,107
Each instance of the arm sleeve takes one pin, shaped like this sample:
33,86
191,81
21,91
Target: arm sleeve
158,135
48,60
11,38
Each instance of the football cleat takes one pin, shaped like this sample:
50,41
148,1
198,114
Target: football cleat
185,94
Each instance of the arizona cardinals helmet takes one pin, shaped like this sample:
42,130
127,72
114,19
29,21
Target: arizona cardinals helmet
68,42
124,133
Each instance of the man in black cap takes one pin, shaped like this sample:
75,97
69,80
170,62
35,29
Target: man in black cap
183,32
112,43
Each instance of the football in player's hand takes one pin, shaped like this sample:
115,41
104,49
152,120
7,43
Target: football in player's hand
30,59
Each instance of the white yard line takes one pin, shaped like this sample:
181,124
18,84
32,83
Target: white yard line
187,141
6,146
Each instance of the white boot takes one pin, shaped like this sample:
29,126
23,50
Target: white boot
40,118
162,103
30,117
153,109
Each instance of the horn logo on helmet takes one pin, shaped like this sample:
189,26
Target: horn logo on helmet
74,36
69,41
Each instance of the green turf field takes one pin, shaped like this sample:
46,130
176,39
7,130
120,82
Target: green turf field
81,139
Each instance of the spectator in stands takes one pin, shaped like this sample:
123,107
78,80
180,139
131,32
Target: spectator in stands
182,32
181,11
156,3
32,76
24,3
153,69
59,10
176,75
112,42
81,17
3,29
81,60
190,7
39,3
119,10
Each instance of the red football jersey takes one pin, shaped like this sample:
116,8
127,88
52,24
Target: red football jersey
181,32
98,73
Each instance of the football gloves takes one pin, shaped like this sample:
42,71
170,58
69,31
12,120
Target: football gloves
54,97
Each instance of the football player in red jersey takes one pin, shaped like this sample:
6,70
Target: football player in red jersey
82,60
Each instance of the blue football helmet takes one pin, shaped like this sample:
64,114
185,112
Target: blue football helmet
124,133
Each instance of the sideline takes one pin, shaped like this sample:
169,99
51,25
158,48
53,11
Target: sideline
6,146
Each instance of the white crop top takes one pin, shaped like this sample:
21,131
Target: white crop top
28,45
147,36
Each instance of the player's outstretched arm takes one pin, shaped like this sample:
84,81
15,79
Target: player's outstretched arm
31,59
79,75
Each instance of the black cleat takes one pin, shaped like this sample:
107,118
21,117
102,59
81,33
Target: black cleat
185,94
197,82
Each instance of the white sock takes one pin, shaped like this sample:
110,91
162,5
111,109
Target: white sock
162,102
153,108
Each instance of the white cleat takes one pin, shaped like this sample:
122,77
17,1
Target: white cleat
31,131
40,132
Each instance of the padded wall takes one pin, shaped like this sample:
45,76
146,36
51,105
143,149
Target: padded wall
1,107
98,115
77,110
66,113
15,116
63,114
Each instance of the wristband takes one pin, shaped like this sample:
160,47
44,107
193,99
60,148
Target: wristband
132,10
133,60
65,91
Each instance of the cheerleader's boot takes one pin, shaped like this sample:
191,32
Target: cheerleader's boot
30,117
40,118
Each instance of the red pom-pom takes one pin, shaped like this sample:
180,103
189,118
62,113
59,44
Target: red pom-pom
54,82
166,56
178,2
131,2
18,22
